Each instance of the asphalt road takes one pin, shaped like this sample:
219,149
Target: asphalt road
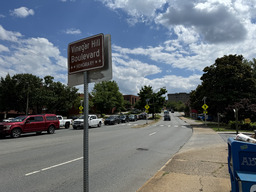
121,158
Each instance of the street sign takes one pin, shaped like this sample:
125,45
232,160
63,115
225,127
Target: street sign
96,75
205,106
81,108
147,107
86,54
205,112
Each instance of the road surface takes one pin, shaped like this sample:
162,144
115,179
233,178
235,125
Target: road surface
121,157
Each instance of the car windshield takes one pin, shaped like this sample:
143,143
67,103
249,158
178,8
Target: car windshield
18,119
82,117
111,117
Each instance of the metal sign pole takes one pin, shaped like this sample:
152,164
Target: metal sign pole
86,138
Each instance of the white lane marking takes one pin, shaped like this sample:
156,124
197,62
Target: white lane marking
47,168
152,133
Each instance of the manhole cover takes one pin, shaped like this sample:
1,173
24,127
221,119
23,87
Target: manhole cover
142,149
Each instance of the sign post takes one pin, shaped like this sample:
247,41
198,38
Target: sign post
86,137
147,107
87,55
205,107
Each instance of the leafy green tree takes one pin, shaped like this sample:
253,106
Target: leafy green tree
224,83
27,88
106,97
8,94
246,109
26,91
57,97
155,100
176,106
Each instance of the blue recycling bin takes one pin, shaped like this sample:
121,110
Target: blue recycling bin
242,165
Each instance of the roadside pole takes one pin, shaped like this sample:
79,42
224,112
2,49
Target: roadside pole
86,137
89,60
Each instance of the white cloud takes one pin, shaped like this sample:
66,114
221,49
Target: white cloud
73,31
22,12
216,23
37,56
139,11
3,48
8,35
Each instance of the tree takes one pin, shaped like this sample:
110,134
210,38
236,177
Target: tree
8,94
26,91
57,97
176,106
106,97
155,100
224,83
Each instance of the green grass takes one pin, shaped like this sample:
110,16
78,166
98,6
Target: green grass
223,127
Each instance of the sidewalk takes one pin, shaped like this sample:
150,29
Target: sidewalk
201,165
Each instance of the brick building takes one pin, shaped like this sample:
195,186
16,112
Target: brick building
176,97
131,98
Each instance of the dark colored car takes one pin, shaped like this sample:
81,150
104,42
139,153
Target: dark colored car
112,120
30,123
124,118
132,117
167,117
142,116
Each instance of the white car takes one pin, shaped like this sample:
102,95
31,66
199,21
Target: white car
93,121
64,122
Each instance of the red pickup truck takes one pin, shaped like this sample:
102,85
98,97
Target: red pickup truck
30,123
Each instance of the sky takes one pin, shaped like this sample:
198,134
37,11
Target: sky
158,43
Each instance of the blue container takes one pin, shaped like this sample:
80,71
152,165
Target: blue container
242,165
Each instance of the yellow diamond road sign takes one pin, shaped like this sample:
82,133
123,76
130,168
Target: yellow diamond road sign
205,106
146,107
81,108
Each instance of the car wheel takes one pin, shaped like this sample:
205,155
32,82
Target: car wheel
67,125
51,130
99,124
16,133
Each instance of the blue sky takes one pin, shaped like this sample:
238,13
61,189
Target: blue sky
162,43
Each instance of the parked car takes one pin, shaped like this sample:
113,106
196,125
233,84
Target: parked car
93,121
65,122
166,112
142,116
112,120
167,117
124,118
30,123
8,120
201,117
133,117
